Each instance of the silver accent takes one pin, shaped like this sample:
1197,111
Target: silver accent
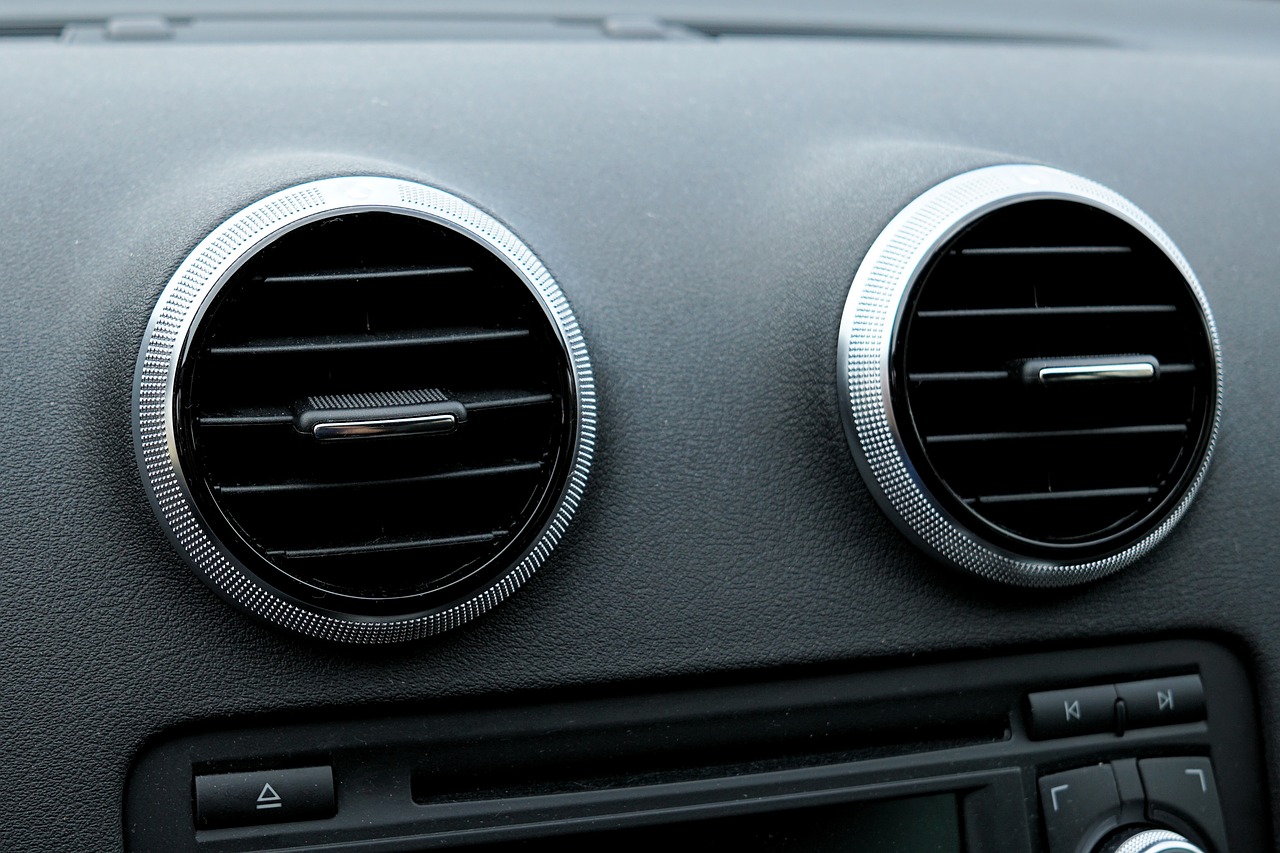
1134,370
199,278
870,322
1157,841
376,399
421,425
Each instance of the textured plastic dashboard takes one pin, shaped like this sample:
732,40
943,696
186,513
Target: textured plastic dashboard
703,204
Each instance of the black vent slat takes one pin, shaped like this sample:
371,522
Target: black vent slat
1072,464
503,400
1101,432
374,308
1059,497
960,376
349,343
435,509
297,486
942,408
354,276
246,419
267,454
17,30
1049,311
390,547
1041,251
987,343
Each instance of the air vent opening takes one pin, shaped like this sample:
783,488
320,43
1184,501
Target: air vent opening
1031,376
1030,294
411,320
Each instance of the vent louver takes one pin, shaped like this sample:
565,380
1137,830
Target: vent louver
383,320
1052,375
1058,376
382,417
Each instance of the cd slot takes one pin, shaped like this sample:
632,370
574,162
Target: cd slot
595,757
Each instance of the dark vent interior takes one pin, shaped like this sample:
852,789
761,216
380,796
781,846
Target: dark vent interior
1042,466
390,319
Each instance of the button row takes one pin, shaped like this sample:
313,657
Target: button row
1116,707
1082,806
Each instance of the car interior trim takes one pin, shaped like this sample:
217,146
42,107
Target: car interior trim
872,315
165,344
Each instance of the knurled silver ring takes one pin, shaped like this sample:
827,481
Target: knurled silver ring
1157,841
870,322
194,285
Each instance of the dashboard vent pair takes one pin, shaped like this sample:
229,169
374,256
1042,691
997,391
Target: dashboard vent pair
1032,376
364,410
382,410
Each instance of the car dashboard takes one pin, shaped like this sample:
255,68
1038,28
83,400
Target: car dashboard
730,612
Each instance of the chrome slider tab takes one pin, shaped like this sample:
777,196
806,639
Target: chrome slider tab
1144,368
379,415
1098,372
423,424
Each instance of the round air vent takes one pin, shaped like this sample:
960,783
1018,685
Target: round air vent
364,410
1031,374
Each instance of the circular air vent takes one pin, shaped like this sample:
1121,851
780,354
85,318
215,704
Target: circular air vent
365,410
1032,376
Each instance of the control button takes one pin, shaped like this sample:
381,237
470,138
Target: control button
1064,713
1079,806
1162,701
1183,790
268,796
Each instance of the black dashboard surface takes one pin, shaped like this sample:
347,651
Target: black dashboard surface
704,204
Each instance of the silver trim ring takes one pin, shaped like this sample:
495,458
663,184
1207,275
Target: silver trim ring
872,314
1157,841
198,279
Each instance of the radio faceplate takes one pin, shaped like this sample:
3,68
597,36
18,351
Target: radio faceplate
940,751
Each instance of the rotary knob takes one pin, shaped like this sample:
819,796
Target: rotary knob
1148,841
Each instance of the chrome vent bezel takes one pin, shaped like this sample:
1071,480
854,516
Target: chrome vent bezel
870,324
183,302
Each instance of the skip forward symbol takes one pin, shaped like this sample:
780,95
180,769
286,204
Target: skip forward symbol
1165,698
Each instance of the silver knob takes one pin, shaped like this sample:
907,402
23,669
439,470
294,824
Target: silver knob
1149,841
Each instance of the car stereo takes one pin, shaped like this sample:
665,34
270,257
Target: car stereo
1145,747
